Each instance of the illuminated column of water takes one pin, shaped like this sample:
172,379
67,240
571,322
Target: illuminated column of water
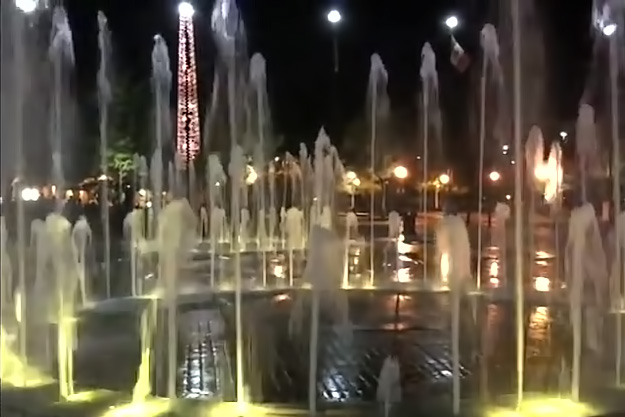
616,198
104,99
518,203
61,53
429,87
19,20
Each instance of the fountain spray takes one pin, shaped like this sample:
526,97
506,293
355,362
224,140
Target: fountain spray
616,196
518,202
429,79
61,53
236,169
19,21
490,60
81,238
104,100
452,241
161,89
377,75
176,237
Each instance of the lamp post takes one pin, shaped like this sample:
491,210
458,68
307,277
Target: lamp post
334,17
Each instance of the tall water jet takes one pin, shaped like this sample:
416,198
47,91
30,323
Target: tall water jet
452,241
176,238
161,90
351,229
584,258
586,146
499,237
490,62
294,226
378,78
143,387
535,170
60,256
61,53
104,100
518,198
81,239
323,273
429,82
616,185
237,169
134,234
19,72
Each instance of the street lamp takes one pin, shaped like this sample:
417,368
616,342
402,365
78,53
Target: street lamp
27,6
444,179
563,135
400,172
334,16
451,22
494,176
609,29
185,9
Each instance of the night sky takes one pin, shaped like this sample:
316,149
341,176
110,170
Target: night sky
296,40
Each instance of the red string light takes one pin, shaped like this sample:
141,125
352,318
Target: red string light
188,123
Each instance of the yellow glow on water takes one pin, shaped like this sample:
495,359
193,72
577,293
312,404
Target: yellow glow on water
151,408
87,396
445,267
13,371
546,407
233,409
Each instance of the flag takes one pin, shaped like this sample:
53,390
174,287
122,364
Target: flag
459,59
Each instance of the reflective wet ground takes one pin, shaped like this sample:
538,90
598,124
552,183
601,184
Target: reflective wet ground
414,326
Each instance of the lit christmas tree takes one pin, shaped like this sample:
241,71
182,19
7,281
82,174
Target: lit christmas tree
188,132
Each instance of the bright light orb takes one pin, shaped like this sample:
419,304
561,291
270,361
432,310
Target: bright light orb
400,172
444,179
185,9
334,16
27,6
608,30
350,175
451,22
356,182
494,176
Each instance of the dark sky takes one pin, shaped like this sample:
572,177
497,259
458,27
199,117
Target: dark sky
296,40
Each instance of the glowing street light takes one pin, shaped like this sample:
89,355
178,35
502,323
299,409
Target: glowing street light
494,176
27,6
185,9
451,22
356,182
350,176
400,172
444,179
563,135
609,29
334,16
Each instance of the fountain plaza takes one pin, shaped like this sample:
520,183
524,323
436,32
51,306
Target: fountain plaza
273,298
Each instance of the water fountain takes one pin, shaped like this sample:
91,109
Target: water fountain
586,146
161,87
431,116
61,253
452,241
585,259
61,53
81,238
104,100
378,78
490,63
